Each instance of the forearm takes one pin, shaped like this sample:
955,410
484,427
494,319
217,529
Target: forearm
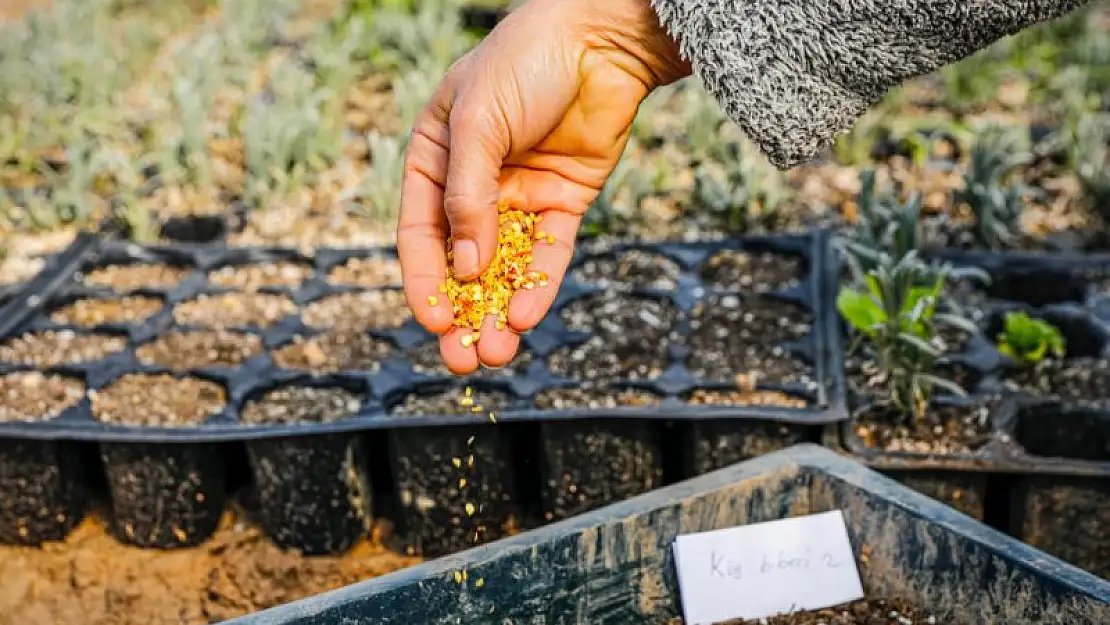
794,74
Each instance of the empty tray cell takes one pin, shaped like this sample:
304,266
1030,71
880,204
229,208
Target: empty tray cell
631,338
332,352
588,463
1036,286
42,490
163,494
199,349
52,348
313,492
370,272
738,270
561,399
455,484
234,310
137,277
282,274
717,443
358,310
426,359
947,429
1066,516
735,335
1055,431
93,312
963,490
637,269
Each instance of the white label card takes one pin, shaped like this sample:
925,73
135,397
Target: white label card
756,571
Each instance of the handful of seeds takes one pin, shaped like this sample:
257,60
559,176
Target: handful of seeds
474,300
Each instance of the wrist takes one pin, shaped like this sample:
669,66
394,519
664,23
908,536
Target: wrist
631,32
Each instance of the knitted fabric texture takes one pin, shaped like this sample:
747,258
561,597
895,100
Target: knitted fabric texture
795,74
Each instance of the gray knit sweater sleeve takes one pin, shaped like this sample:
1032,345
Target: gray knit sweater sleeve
794,74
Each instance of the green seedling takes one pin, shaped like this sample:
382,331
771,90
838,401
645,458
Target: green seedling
996,205
1029,340
895,312
379,192
607,213
741,189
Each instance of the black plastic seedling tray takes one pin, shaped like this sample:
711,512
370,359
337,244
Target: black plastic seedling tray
435,464
615,566
1043,456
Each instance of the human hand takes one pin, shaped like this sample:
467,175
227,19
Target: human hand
537,116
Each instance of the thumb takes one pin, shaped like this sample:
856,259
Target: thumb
478,146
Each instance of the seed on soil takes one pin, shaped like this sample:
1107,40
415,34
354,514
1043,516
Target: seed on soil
333,351
35,396
371,272
51,348
358,310
943,429
96,312
508,272
450,402
282,274
302,404
594,399
733,270
706,397
157,400
181,351
127,278
234,310
734,335
632,269
631,338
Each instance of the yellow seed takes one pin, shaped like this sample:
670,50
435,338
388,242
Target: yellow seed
458,577
443,288
543,283
492,418
467,340
464,575
550,239
462,482
470,441
469,509
470,461
457,462
433,300
478,583
477,409
466,401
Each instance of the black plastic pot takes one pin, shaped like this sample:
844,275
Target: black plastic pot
312,492
165,495
615,566
717,444
42,491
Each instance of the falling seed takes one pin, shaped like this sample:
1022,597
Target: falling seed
462,482
458,577
469,442
457,462
492,418
466,401
478,583
469,391
470,461
433,300
469,509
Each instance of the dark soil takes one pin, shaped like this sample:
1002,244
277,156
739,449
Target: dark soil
333,351
128,278
452,401
425,358
735,335
631,337
635,269
1082,381
358,310
93,578
371,272
594,398
182,351
52,348
862,612
234,310
718,443
706,397
744,271
157,401
283,274
943,430
302,404
1066,516
34,396
97,312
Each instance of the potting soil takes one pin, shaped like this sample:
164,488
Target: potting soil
94,579
862,612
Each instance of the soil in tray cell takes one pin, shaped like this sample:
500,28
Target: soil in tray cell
278,275
93,578
128,278
333,351
590,463
631,336
42,493
631,269
1075,434
97,312
51,348
594,398
234,310
358,311
163,495
734,335
718,443
200,349
734,270
371,272
1068,517
943,430
313,492
455,483
862,612
1079,377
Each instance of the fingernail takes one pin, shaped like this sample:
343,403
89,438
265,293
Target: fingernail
466,257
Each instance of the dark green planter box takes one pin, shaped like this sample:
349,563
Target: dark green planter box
614,566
